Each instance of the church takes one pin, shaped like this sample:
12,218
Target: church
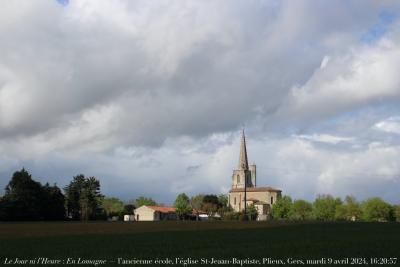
245,190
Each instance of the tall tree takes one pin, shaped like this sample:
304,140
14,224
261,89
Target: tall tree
26,199
23,197
83,198
54,200
182,206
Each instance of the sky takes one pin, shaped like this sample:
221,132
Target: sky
150,96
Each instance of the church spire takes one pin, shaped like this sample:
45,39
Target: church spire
243,164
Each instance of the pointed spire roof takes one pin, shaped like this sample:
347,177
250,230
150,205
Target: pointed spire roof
243,163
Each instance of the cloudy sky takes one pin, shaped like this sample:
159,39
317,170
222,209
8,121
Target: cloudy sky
150,96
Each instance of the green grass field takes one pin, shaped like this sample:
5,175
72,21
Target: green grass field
199,241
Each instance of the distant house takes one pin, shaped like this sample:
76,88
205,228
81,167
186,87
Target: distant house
155,213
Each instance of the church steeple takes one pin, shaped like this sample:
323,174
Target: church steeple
243,163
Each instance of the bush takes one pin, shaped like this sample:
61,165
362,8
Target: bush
231,216
243,216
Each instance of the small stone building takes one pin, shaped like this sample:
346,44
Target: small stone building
245,190
154,213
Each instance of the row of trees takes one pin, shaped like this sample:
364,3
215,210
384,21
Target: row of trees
328,208
26,199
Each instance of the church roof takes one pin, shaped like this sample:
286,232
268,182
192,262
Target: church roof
256,189
243,163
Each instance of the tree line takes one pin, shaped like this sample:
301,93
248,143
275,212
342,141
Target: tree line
28,200
324,208
328,208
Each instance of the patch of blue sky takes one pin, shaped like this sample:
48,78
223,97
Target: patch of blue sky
385,19
353,121
63,2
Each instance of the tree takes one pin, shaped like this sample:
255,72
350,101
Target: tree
147,201
210,204
213,199
23,197
324,207
396,211
83,198
350,210
375,209
26,199
53,203
223,200
301,210
182,206
128,208
252,212
196,201
281,208
112,206
223,203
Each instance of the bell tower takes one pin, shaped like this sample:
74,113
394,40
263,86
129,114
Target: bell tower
243,174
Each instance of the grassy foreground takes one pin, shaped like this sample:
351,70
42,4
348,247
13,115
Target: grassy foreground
179,243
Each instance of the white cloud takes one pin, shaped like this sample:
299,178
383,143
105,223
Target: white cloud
325,138
390,125
362,76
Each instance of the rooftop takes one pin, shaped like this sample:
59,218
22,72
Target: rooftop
256,189
162,209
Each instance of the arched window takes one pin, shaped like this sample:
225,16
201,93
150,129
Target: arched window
238,179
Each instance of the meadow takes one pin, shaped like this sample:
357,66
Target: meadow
198,243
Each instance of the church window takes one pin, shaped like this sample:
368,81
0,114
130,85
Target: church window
234,201
272,200
238,179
